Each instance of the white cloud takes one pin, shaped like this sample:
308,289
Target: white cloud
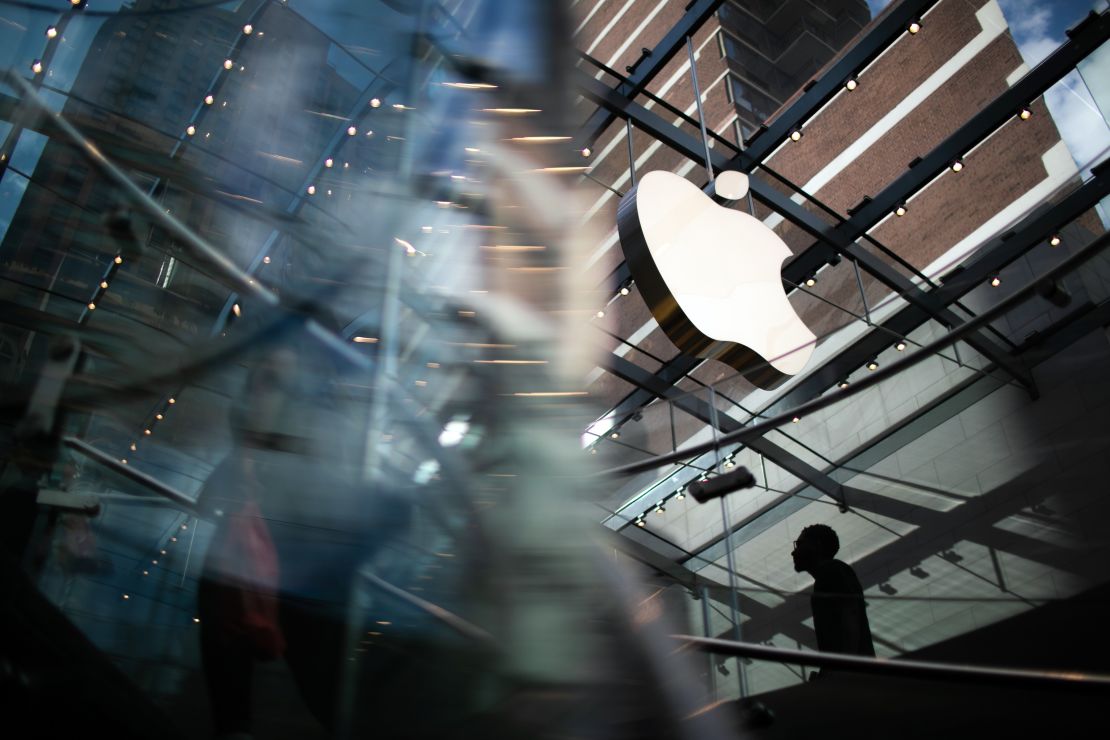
1037,34
1030,22
1081,126
876,6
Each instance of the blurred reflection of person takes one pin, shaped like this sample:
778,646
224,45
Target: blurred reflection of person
237,593
292,466
839,611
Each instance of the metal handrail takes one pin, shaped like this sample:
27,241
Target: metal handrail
452,620
1017,677
177,497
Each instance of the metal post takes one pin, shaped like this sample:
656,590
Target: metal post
707,627
734,603
697,100
631,154
862,294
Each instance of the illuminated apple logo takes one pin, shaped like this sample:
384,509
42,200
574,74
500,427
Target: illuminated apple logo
712,276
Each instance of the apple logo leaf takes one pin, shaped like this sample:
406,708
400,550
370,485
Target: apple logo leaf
712,276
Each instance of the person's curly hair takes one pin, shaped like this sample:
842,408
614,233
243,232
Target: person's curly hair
825,541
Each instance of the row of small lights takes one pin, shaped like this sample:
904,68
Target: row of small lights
624,290
52,33
228,65
680,495
852,82
163,552
102,288
160,415
913,28
352,130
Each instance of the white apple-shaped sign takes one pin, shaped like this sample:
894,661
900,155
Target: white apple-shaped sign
712,276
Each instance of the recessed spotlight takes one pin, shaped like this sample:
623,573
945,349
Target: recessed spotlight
957,165
1054,241
873,365
900,210
586,151
914,27
796,134
1025,114
996,281
900,346
844,383
851,84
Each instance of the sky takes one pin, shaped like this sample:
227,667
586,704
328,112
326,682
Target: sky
1038,27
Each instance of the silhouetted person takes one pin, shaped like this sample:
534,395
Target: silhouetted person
839,612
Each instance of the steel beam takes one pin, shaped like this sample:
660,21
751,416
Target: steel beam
881,36
699,409
697,12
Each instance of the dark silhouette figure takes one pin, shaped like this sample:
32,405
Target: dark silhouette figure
839,612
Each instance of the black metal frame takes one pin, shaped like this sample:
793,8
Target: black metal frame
697,12
1083,39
